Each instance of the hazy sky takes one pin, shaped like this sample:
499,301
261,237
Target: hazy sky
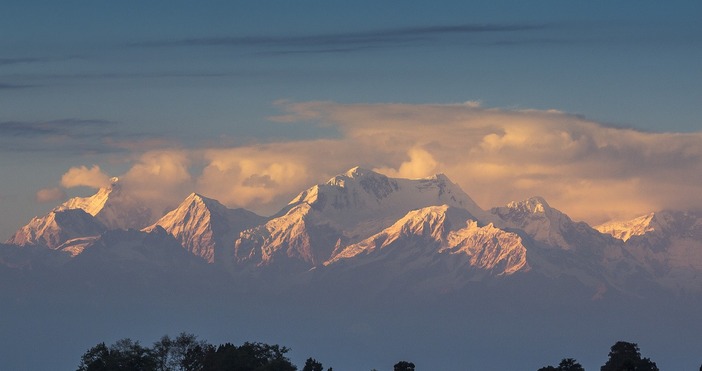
593,105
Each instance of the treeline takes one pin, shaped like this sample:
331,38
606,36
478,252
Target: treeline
187,353
623,356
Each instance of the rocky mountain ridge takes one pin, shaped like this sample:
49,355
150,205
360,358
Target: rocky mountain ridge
365,223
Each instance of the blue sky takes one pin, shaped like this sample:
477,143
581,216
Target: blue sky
102,83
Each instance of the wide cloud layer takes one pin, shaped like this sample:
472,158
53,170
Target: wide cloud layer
591,171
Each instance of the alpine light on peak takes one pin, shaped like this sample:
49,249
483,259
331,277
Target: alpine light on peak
624,230
345,210
546,224
114,207
205,227
533,205
359,172
56,228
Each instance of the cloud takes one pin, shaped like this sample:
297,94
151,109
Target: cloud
160,178
6,86
134,75
27,60
254,176
74,136
50,195
61,127
12,61
359,40
591,171
87,177
421,164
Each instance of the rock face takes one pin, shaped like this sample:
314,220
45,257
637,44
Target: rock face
347,209
113,207
627,229
207,228
156,248
56,228
666,244
436,248
548,226
362,226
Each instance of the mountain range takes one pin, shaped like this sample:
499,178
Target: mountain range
426,234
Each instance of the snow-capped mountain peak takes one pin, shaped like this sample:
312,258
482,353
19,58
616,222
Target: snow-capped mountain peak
544,223
441,242
661,224
204,226
624,230
357,172
346,209
431,223
532,205
361,193
113,206
56,228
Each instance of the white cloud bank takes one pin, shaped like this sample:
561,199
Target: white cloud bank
591,171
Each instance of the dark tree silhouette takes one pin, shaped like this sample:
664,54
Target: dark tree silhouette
404,366
312,365
125,354
95,359
570,364
247,357
624,356
567,364
184,353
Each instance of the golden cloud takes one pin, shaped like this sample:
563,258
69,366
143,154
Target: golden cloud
50,195
82,176
591,171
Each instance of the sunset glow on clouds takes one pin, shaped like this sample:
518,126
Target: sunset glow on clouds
589,170
250,105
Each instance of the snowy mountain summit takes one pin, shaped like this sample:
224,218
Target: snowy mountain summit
205,227
56,228
348,208
363,226
113,206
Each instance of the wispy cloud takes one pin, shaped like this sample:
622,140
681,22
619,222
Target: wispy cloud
11,61
71,136
54,127
51,194
352,41
6,86
127,75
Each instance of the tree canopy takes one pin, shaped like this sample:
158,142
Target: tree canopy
312,365
624,356
403,366
567,364
186,353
